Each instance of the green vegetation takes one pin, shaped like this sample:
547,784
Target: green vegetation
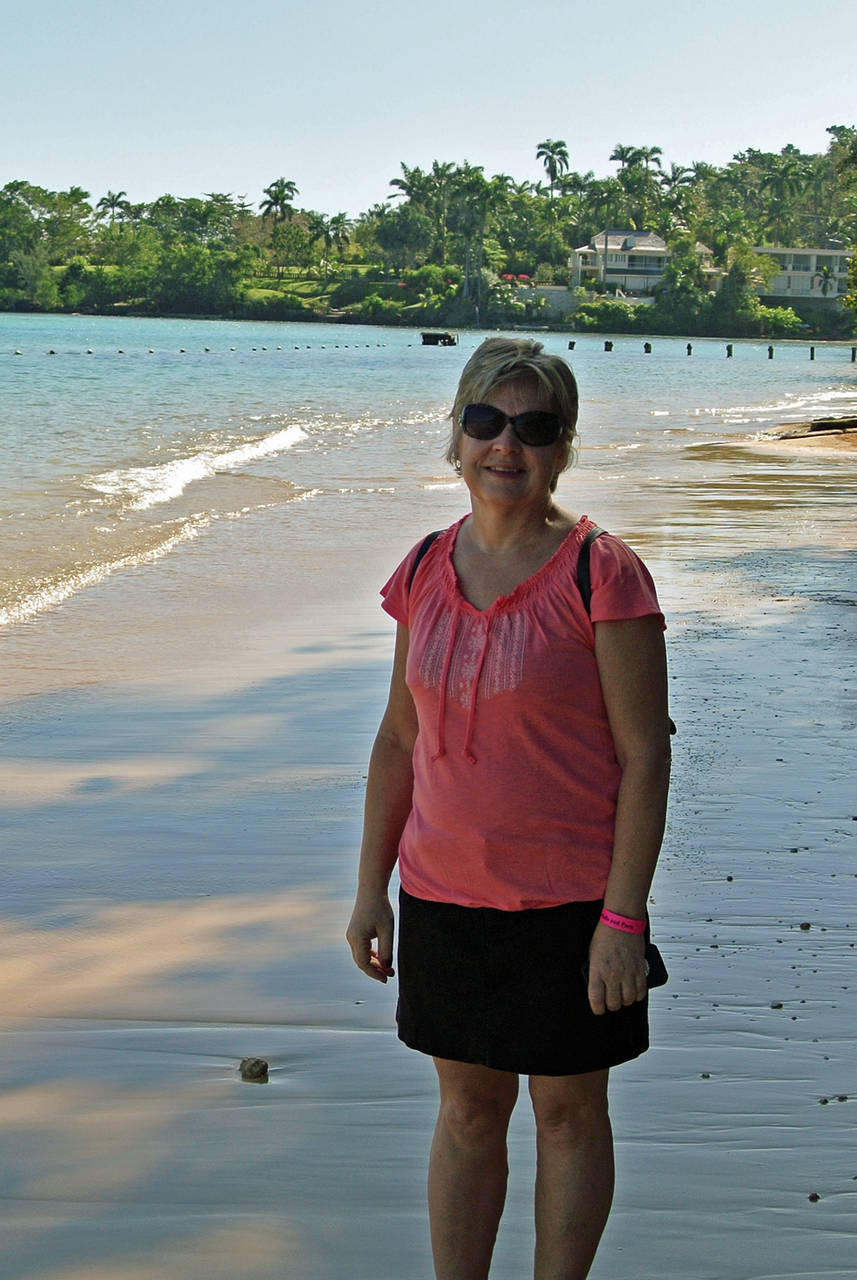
449,246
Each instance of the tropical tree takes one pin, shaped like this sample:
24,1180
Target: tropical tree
649,156
826,278
783,179
278,203
676,203
554,155
114,203
339,229
626,157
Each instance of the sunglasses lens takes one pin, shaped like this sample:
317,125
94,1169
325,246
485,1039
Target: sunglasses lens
538,428
482,421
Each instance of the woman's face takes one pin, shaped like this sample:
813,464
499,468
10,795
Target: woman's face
503,469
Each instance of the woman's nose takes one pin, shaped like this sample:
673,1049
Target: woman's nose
507,439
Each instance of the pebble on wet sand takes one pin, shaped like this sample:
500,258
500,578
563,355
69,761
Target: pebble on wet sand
254,1070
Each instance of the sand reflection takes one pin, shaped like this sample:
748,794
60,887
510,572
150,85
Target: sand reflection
164,959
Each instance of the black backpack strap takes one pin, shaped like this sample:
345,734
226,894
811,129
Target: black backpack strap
423,548
584,584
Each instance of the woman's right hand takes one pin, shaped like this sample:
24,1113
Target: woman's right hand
372,918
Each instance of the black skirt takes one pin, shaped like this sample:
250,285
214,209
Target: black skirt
507,989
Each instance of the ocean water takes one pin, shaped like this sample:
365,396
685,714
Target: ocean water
125,440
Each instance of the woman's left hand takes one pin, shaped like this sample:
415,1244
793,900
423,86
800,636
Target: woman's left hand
617,969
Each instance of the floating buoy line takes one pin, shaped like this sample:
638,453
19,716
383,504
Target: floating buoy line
183,351
610,347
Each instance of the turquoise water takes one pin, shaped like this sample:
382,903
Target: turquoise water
125,438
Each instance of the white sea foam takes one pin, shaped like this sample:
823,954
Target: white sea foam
143,487
47,593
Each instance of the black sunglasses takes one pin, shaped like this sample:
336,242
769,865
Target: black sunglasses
536,427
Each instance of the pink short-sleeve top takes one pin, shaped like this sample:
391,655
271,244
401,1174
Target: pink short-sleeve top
515,771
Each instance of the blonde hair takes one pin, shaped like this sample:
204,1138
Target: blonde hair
501,360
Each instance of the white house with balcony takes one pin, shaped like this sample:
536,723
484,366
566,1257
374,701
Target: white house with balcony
820,274
634,264
635,260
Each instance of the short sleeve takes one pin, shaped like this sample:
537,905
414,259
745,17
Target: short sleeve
622,586
396,590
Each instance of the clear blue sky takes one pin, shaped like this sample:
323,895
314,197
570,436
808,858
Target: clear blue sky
189,96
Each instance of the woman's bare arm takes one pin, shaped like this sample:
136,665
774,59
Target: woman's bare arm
389,791
632,666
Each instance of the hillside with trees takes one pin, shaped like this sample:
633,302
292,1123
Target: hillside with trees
446,245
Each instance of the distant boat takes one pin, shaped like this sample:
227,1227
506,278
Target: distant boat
439,339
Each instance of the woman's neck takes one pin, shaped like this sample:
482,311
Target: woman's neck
491,528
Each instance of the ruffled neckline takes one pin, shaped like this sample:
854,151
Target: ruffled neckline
524,590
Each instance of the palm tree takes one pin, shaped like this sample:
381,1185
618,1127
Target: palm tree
782,181
826,277
676,185
339,228
554,154
113,203
278,205
627,157
650,155
442,180
414,184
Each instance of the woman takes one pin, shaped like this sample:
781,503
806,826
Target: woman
519,777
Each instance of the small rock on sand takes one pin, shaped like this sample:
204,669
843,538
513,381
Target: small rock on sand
254,1070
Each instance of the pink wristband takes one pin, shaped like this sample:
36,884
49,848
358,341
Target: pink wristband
623,923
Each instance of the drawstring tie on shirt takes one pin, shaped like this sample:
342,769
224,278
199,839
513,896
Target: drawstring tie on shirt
466,750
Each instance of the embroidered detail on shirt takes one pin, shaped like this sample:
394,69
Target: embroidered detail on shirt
503,668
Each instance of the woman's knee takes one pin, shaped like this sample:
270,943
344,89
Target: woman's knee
476,1104
568,1109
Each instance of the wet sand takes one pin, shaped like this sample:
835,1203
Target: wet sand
181,816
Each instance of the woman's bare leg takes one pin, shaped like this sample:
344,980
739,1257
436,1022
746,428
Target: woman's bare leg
468,1167
574,1177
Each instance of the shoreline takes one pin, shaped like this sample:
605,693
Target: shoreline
338,320
834,435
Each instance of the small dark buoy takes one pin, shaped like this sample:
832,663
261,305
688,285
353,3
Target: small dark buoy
728,350
805,926
813,1197
52,352
254,1070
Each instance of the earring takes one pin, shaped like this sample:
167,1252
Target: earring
457,465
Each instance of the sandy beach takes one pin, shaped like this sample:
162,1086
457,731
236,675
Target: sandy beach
181,813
